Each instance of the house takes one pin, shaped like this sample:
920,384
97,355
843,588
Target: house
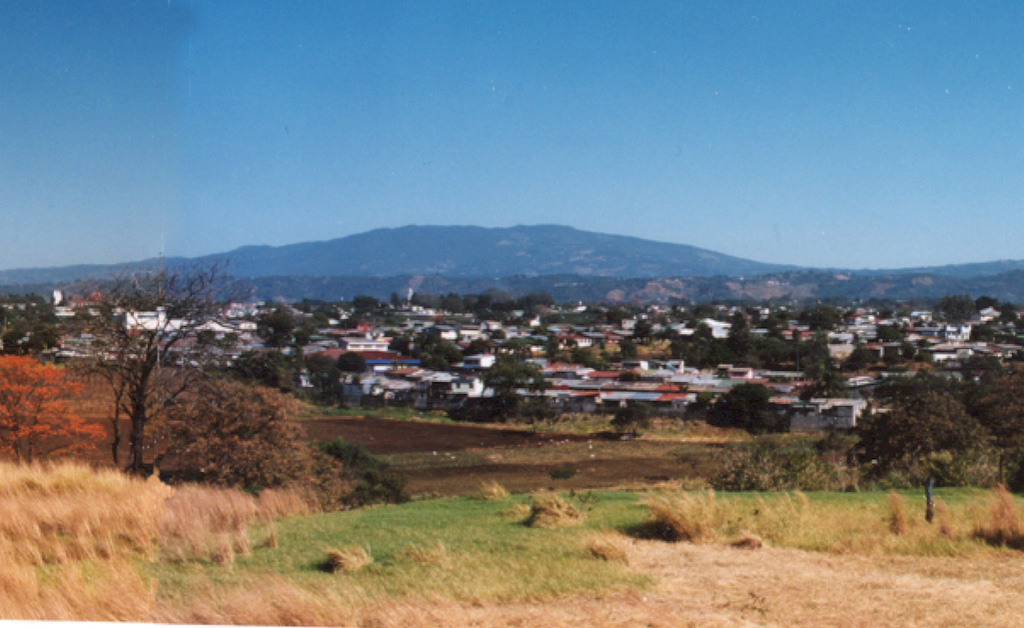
479,362
958,333
718,328
823,414
362,344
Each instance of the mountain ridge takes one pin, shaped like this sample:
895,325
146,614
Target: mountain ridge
556,257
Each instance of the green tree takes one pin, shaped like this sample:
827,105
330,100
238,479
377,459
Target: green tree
632,418
325,377
506,378
924,414
627,349
276,327
351,362
642,331
267,368
958,307
914,428
747,406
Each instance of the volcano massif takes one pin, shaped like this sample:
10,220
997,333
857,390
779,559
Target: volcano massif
568,263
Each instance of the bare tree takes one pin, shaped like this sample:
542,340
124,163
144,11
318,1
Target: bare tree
145,343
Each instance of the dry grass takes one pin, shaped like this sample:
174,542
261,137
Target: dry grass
69,536
551,511
1003,526
700,586
610,546
278,503
207,523
60,513
347,559
436,554
491,491
693,517
749,542
897,514
944,520
517,512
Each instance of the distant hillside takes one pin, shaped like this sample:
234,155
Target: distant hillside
568,263
487,252
779,286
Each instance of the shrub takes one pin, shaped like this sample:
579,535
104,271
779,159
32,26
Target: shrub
562,473
770,466
374,482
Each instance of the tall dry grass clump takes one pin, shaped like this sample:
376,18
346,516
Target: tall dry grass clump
55,513
693,517
277,503
610,546
347,559
944,519
85,528
897,514
1003,526
551,511
491,491
201,522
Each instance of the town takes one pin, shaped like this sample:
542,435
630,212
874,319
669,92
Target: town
507,358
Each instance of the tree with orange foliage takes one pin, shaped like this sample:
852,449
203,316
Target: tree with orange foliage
35,420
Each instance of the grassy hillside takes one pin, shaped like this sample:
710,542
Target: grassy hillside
82,544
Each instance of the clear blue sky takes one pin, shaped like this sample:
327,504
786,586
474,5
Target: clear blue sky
852,134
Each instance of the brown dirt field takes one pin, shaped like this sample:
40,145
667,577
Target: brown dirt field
446,459
456,480
395,436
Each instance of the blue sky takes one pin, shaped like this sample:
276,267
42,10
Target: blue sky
843,134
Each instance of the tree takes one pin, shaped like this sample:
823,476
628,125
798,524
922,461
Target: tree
958,307
276,327
821,318
747,406
351,362
234,434
642,331
627,349
632,418
268,368
35,419
506,377
141,342
999,406
916,427
925,414
325,377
